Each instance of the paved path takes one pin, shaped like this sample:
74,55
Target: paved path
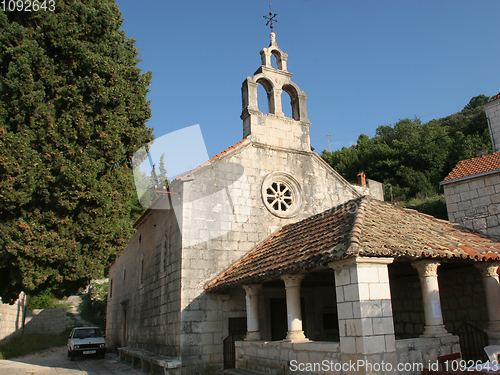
55,361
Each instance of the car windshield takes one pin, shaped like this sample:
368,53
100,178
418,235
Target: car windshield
86,332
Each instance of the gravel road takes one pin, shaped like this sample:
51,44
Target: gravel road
55,361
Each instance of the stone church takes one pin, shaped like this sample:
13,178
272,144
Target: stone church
266,242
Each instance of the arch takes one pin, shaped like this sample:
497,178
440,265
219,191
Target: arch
279,58
269,88
292,90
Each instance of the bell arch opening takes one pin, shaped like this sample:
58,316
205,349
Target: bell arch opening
265,96
293,110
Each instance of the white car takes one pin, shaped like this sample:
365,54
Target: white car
86,340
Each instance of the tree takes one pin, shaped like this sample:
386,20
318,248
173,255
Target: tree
73,110
414,157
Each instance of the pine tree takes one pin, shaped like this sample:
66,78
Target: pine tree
73,111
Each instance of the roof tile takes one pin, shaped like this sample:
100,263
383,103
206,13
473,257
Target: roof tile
475,166
361,227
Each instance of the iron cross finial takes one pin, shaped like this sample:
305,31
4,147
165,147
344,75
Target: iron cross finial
271,18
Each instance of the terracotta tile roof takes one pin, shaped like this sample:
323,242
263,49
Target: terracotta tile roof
475,166
362,227
497,96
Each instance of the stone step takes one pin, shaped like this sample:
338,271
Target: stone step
242,371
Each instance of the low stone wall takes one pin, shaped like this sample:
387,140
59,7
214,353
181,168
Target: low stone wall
50,321
413,352
280,357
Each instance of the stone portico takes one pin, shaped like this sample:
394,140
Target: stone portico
359,255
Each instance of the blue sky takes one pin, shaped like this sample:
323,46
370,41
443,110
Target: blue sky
362,63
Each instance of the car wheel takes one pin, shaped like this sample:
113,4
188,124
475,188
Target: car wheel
72,355
103,354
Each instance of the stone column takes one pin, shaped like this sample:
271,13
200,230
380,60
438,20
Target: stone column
294,315
278,108
492,290
252,299
427,271
365,311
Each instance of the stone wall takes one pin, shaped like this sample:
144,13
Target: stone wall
475,203
11,317
280,358
47,321
463,298
413,354
144,288
493,114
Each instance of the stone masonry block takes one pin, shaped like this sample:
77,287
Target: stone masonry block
368,274
383,326
492,221
494,209
493,179
345,310
488,190
453,198
364,291
464,186
380,291
476,184
351,292
462,206
342,277
340,293
353,328
372,344
348,345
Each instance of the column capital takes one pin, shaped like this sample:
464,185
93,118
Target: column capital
292,280
426,267
253,289
488,269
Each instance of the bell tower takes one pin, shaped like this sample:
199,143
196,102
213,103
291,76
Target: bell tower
274,128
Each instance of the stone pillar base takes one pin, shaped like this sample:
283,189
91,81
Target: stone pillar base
252,336
296,336
435,331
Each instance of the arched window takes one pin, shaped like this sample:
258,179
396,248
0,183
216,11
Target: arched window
285,107
276,60
265,96
294,101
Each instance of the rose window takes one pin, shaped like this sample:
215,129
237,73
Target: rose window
282,194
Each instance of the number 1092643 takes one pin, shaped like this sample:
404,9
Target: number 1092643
28,5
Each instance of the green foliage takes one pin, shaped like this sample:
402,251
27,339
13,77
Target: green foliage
434,206
44,300
20,345
73,110
413,157
94,303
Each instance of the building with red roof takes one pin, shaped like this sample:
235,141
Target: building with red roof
472,188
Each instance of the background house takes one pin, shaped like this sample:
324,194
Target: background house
472,188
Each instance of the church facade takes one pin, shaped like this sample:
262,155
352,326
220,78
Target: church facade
266,242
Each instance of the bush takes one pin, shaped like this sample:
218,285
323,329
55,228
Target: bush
44,300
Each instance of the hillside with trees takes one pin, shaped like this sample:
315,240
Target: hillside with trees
413,157
73,111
